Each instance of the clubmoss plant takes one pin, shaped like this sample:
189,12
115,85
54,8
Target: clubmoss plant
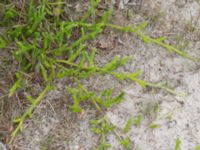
197,147
128,125
29,111
153,126
137,120
178,143
103,127
45,45
132,121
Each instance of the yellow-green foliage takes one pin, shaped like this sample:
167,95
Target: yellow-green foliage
45,45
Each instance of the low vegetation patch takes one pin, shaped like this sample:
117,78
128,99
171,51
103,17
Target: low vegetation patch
47,46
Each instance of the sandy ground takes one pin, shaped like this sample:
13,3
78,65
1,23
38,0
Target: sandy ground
54,127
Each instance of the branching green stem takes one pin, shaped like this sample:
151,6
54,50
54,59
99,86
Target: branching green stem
148,39
28,112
